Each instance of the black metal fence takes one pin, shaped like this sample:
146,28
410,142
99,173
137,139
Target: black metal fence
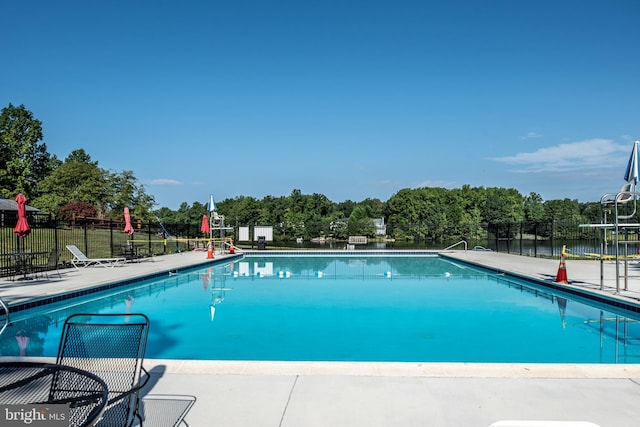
538,239
99,238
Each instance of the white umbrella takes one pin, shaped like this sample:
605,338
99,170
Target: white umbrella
631,174
212,203
212,209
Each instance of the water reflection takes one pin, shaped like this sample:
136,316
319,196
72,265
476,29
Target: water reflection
356,267
217,278
25,338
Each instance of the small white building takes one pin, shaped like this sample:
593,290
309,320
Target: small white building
381,227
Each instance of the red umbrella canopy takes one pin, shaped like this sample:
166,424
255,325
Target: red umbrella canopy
206,279
127,219
23,342
22,228
204,228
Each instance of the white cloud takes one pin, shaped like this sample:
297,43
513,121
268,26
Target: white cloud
589,154
530,135
164,181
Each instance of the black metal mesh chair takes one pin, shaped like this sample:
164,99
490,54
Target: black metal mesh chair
50,265
162,410
112,347
27,383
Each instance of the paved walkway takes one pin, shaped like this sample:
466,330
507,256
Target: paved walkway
584,275
308,394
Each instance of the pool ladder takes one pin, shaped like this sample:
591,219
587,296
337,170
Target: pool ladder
7,320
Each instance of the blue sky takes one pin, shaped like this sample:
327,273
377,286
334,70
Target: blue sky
350,99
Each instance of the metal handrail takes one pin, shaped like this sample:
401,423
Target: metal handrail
456,244
7,321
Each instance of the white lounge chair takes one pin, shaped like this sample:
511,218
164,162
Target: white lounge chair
80,259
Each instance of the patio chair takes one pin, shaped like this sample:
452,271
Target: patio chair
22,263
112,347
79,258
50,265
161,410
13,266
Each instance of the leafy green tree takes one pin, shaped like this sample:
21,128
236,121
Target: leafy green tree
294,221
78,178
402,207
80,156
565,209
126,192
503,205
339,229
360,222
24,160
375,207
272,211
591,212
317,208
463,213
418,213
166,215
242,210
345,207
533,208
184,214
565,214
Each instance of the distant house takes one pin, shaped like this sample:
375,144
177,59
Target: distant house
381,227
8,205
8,212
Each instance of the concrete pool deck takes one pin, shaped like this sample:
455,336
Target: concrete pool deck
307,394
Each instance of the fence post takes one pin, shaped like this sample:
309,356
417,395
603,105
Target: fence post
86,237
521,231
553,235
111,237
149,235
55,231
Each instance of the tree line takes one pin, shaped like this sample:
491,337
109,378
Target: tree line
427,213
78,186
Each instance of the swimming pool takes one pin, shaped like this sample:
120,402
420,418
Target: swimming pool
351,308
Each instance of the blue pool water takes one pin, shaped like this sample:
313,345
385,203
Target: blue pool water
349,308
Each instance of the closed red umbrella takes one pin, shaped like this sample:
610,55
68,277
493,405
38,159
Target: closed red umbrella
127,219
22,228
205,224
